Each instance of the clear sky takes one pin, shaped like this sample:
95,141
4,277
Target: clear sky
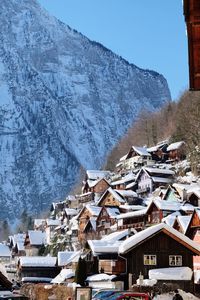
149,33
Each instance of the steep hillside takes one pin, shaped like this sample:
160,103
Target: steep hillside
64,102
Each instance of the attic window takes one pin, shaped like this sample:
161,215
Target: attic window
150,260
175,260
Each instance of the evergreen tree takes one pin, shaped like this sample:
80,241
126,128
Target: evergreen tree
81,272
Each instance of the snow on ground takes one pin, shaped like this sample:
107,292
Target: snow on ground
169,296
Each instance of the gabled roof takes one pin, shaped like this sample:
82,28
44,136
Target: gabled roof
63,275
175,146
37,261
71,212
37,237
170,219
102,246
97,174
156,170
164,205
183,222
116,236
4,250
113,212
131,214
51,222
141,151
115,195
146,234
66,257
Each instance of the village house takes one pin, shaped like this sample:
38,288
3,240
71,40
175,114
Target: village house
34,240
159,152
16,244
133,220
5,254
159,209
39,224
159,247
96,181
181,223
85,214
136,157
37,268
51,224
176,151
150,178
111,198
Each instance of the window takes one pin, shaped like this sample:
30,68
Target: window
175,260
149,260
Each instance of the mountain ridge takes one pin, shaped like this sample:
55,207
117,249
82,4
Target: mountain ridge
65,101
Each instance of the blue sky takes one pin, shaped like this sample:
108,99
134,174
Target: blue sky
149,33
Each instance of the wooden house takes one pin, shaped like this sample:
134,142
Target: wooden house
43,267
51,224
84,216
158,152
176,151
96,181
192,18
159,209
96,186
149,178
181,223
34,240
106,219
193,229
133,220
193,195
136,157
111,198
16,244
158,247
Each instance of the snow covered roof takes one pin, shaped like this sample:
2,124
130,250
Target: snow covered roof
139,237
130,208
97,174
184,222
104,246
115,236
20,246
71,212
165,205
100,277
37,237
170,219
141,151
115,195
175,146
19,237
159,171
37,261
132,214
51,222
126,193
66,257
63,275
174,273
39,222
113,211
93,209
4,251
161,179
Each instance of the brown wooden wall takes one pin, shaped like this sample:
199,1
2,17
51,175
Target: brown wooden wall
162,246
192,18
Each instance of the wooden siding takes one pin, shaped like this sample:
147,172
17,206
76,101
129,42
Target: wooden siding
109,200
160,245
113,266
192,18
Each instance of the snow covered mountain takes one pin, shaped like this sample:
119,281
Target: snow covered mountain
64,102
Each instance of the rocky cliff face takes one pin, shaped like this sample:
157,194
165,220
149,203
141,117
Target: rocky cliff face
64,102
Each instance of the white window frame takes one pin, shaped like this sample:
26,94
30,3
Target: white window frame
175,260
150,259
